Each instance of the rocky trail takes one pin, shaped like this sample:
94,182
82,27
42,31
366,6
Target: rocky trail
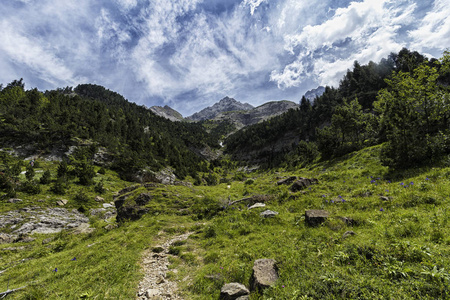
155,285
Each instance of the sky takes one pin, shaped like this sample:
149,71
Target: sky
189,54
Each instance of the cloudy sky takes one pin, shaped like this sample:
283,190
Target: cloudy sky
189,54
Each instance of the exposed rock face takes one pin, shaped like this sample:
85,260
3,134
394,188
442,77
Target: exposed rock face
225,105
315,217
265,274
233,291
303,183
14,200
130,206
37,220
167,112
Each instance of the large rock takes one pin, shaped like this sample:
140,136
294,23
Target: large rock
315,217
265,274
233,291
303,183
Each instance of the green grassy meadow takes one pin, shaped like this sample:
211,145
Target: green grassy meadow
400,248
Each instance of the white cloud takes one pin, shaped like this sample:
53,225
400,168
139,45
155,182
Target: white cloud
253,4
434,30
25,51
368,30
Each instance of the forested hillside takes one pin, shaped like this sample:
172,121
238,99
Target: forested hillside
135,136
402,100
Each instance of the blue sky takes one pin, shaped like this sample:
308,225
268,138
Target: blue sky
189,54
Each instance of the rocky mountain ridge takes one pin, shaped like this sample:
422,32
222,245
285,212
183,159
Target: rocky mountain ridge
258,114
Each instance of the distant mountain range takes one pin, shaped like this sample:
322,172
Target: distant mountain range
227,104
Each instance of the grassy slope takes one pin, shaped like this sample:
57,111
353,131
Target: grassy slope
400,250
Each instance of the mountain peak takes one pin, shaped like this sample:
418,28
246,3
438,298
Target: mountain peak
224,105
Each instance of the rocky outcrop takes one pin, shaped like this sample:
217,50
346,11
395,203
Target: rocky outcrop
234,291
265,274
38,220
130,206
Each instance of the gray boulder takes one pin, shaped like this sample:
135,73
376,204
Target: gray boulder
265,274
233,291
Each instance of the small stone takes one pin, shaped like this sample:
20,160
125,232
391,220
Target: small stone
157,249
257,205
151,292
160,280
232,291
99,199
48,240
384,198
62,202
303,183
108,205
15,200
348,233
268,214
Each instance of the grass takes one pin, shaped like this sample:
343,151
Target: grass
400,249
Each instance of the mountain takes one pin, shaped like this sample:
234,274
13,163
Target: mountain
311,95
227,104
261,113
167,112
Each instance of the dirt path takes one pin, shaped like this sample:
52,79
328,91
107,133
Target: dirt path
155,285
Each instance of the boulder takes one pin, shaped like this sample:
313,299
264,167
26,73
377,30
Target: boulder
268,214
303,183
107,205
233,291
315,217
287,180
265,274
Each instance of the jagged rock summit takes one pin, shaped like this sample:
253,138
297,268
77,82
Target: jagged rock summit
167,112
225,105
312,94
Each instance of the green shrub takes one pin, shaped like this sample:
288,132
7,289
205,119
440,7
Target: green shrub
81,197
46,177
31,187
59,187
